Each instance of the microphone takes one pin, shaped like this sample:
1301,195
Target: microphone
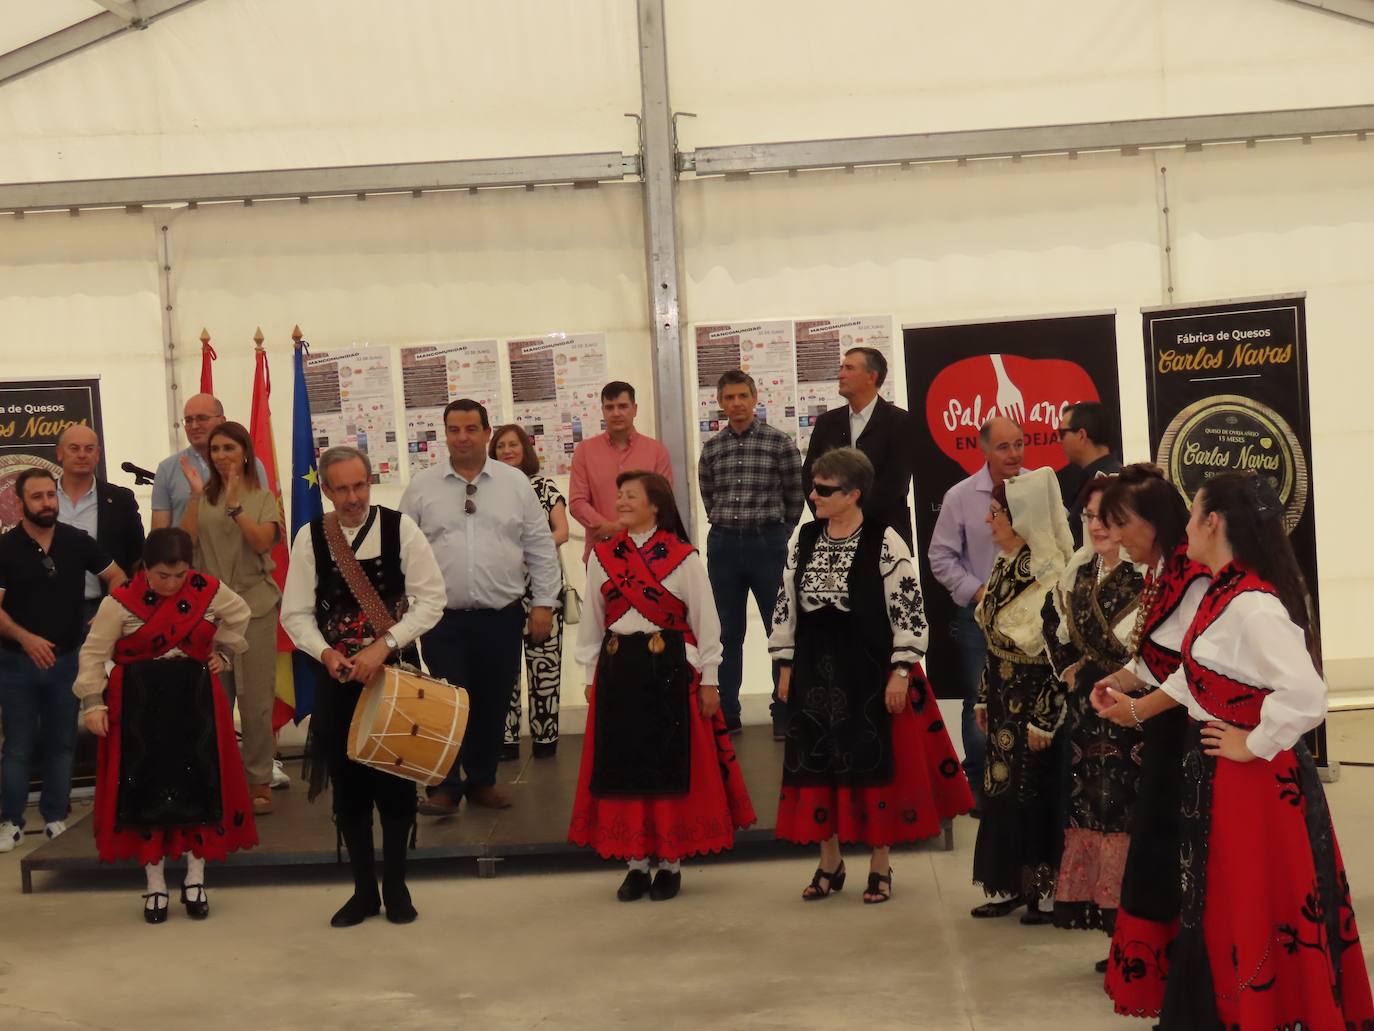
141,475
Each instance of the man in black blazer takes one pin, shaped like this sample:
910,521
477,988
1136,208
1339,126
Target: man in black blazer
106,512
879,429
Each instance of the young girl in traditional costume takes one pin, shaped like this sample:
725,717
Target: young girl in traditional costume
169,778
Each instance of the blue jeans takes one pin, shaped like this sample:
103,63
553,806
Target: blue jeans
741,563
973,655
37,709
478,650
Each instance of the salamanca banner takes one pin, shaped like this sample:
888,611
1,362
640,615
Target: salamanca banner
33,414
958,376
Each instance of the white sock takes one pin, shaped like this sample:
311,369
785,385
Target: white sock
674,867
195,874
156,881
642,865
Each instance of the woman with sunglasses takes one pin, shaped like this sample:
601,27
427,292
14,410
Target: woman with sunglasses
1148,516
1016,856
1088,621
867,759
659,779
235,522
1268,937
169,781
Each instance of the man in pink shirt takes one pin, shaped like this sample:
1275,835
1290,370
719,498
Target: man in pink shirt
599,460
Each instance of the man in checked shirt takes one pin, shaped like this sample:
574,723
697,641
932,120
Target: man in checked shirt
751,486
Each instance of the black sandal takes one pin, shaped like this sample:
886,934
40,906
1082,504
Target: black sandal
196,908
833,882
874,894
995,909
158,914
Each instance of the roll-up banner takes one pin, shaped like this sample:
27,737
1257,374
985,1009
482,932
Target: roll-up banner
1227,389
33,414
961,374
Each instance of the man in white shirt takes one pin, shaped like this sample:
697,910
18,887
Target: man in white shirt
486,527
325,620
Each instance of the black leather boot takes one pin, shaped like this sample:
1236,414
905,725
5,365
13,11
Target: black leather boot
365,901
395,843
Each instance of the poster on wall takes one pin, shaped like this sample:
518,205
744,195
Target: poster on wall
352,402
556,383
762,349
821,344
1226,388
960,375
432,375
33,414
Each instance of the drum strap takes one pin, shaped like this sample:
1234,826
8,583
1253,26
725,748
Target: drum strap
358,583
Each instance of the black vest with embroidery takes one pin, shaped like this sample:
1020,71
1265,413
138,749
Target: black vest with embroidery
338,614
867,595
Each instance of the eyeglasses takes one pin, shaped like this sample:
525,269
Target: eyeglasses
470,506
191,420
997,510
49,567
824,490
1093,517
1064,431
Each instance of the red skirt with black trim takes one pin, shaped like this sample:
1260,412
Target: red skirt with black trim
927,787
235,830
667,827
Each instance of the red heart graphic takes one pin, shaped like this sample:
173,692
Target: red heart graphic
964,395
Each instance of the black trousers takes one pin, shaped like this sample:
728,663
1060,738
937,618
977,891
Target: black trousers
358,788
478,650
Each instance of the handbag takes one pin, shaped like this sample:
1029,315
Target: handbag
572,606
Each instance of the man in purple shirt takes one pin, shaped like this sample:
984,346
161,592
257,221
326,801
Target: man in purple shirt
961,556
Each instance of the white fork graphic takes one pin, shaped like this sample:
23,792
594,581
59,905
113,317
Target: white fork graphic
1009,400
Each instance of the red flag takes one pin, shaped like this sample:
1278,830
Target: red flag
264,447
207,355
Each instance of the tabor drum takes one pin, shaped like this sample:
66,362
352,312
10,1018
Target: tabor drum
408,725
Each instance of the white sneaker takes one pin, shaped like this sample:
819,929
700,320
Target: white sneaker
54,829
10,836
279,776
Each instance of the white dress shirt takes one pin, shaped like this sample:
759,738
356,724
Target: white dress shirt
424,585
1256,642
83,514
687,582
858,421
484,555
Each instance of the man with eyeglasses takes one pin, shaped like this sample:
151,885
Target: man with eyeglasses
171,491
43,567
486,527
1086,432
961,556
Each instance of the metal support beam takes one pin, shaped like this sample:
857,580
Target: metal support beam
1188,131
295,183
660,240
1353,10
113,22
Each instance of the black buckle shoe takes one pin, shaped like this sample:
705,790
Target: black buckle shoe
634,887
667,883
196,909
355,911
158,914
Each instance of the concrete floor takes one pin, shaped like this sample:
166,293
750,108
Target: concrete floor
550,948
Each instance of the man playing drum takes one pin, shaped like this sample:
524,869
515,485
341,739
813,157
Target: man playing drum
324,618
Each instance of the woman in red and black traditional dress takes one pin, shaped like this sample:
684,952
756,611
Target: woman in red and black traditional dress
1149,519
659,779
1268,936
867,758
169,779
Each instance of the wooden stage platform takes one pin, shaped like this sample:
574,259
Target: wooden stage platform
299,834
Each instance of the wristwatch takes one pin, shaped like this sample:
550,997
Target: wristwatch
235,512
391,641
902,671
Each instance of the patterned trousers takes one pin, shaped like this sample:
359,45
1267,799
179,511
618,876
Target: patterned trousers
544,675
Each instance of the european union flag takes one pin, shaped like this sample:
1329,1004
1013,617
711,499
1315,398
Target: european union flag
306,504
